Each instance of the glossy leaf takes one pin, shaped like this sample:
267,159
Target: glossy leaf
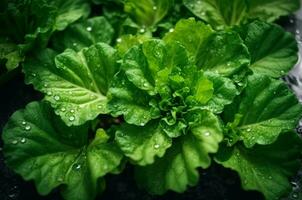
40,147
266,108
265,168
77,83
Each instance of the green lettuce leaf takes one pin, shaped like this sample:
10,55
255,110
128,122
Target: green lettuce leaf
147,13
266,109
177,169
84,34
40,147
45,17
142,144
265,168
76,84
224,13
273,51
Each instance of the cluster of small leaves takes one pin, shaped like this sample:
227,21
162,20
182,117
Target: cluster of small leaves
184,93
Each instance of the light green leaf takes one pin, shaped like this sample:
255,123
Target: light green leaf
266,108
265,168
270,10
191,34
218,13
125,42
125,99
77,84
40,147
224,92
69,11
221,52
84,34
143,144
273,51
149,12
178,168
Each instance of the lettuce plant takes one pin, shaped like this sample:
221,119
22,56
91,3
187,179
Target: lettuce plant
177,99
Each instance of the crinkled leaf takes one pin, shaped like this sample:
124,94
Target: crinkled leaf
266,108
76,84
270,10
222,52
178,168
143,144
84,34
68,11
224,13
40,147
127,100
148,12
224,92
273,51
265,168
10,53
218,13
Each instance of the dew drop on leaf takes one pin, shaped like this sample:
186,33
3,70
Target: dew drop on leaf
119,40
71,118
295,195
142,30
49,93
207,134
63,109
72,110
89,28
156,146
248,130
171,30
77,166
24,123
27,128
56,97
14,142
154,8
23,140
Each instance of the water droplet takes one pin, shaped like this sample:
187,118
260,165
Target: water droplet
248,130
142,124
119,40
298,31
71,118
171,30
72,110
282,71
228,64
23,140
24,123
100,106
156,146
145,84
15,142
34,75
49,93
57,98
295,195
63,109
89,28
45,85
77,166
270,177
74,44
154,8
207,134
27,127
142,30
203,13
237,154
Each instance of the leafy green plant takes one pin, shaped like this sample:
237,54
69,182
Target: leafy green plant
178,96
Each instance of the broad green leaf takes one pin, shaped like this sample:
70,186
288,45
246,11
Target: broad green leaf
149,12
143,144
191,34
84,34
69,11
270,10
224,92
265,168
266,108
273,51
76,84
222,52
127,100
224,13
40,147
178,168
218,13
126,42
